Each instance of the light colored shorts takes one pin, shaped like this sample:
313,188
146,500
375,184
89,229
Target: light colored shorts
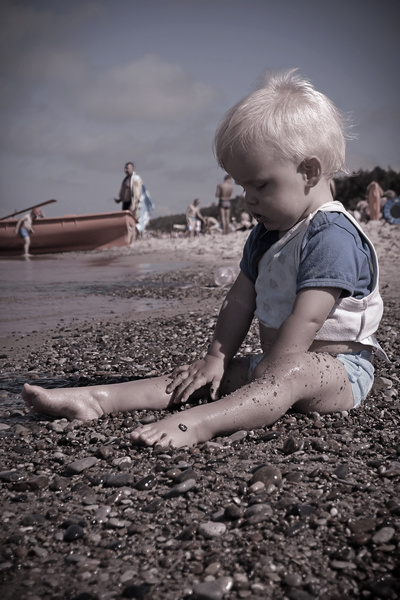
359,368
360,372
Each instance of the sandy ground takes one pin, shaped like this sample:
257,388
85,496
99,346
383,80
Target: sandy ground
307,509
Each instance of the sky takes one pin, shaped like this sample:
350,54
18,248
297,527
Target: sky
86,86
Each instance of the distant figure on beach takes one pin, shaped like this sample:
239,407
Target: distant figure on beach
24,227
374,195
308,273
224,193
130,191
211,225
146,208
244,222
361,211
193,214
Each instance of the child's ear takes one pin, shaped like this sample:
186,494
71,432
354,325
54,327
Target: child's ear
312,169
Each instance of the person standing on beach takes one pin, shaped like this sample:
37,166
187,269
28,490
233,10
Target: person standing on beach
24,227
224,193
193,214
131,191
374,193
308,273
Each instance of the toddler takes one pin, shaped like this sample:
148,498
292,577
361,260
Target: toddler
308,273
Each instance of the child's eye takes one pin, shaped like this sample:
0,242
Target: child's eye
260,187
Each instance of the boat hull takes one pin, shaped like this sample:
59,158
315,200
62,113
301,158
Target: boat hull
70,233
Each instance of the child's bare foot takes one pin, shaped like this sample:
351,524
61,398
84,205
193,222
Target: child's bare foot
71,403
181,429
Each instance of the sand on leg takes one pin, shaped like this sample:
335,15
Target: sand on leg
306,381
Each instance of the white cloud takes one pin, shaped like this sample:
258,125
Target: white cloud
148,88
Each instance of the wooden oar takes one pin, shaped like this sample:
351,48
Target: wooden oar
29,208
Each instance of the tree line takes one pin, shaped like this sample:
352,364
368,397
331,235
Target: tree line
352,188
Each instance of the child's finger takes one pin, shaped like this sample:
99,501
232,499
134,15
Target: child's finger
176,381
214,390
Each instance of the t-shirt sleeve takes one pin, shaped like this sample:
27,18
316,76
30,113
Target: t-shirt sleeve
334,255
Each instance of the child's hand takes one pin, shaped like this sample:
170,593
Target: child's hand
187,379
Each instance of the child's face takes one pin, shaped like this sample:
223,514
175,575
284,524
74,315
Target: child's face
276,192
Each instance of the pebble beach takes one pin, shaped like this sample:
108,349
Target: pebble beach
306,509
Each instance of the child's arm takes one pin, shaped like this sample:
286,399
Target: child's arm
232,326
297,333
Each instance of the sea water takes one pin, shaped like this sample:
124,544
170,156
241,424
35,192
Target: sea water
49,290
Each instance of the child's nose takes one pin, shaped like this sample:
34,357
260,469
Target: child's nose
250,198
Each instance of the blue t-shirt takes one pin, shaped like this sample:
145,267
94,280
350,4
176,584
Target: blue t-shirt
333,254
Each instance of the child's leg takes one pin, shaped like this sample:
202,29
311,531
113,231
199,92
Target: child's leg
306,381
86,403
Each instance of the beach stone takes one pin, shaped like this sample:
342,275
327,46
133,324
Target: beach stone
296,528
293,580
80,465
268,437
180,488
104,452
292,445
342,471
154,506
101,514
258,509
11,476
384,535
34,519
38,483
207,590
233,512
119,480
268,475
256,487
185,475
393,470
59,484
140,591
146,483
238,436
211,529
74,532
363,525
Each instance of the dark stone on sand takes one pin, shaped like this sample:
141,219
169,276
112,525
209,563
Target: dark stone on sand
154,506
11,476
185,475
80,465
140,591
119,480
296,528
31,520
146,483
292,445
74,532
181,488
207,590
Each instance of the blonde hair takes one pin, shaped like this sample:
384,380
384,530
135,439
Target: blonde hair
291,119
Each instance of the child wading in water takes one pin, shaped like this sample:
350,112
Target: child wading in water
308,273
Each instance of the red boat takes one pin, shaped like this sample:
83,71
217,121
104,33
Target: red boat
70,233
